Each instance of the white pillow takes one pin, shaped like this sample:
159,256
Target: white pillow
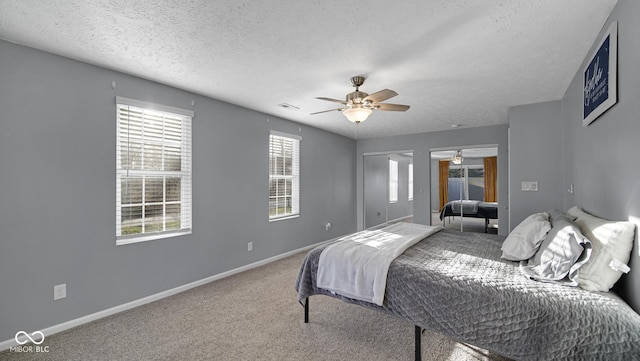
612,242
524,240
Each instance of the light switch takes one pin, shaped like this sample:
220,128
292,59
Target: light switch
529,186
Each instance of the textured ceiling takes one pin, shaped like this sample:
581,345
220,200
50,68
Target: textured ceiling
454,61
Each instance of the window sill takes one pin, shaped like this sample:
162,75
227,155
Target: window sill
283,218
150,237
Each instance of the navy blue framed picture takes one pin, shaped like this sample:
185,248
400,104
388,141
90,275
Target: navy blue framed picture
600,77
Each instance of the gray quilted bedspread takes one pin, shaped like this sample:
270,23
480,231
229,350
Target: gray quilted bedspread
456,284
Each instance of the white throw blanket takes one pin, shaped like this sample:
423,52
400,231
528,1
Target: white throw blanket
357,265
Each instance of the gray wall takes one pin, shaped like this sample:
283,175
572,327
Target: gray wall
536,155
420,144
57,199
600,160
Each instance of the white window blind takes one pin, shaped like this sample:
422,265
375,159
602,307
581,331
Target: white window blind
284,175
153,171
410,181
393,181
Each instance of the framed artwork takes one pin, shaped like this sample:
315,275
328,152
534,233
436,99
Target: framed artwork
600,77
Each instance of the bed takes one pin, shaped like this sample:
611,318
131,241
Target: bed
470,208
456,284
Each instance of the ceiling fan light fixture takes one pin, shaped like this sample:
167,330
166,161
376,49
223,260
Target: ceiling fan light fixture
457,159
358,105
357,114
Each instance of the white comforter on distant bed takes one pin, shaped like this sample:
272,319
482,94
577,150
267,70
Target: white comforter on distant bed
356,265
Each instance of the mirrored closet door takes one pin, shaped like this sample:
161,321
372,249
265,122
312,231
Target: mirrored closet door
464,188
388,188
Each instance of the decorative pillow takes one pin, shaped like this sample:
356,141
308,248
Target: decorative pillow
612,242
561,254
556,214
524,240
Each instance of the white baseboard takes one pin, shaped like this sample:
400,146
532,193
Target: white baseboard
5,345
400,219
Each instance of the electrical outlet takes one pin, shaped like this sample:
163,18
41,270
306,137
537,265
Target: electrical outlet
250,246
59,291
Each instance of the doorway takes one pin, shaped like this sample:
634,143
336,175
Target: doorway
388,188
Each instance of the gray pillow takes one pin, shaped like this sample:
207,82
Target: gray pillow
561,254
558,215
522,243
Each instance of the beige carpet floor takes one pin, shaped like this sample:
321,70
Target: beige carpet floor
253,315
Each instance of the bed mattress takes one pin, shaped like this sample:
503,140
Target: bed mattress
455,283
474,209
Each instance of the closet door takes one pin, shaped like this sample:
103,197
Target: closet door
471,175
375,189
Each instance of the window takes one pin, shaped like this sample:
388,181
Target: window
393,181
153,171
410,186
466,182
284,176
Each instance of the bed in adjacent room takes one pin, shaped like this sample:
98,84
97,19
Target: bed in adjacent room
470,208
460,285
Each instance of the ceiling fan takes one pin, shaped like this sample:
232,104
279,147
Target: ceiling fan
457,158
359,105
453,155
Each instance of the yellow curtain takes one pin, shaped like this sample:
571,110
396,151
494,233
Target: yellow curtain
444,182
490,179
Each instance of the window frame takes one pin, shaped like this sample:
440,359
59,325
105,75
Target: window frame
294,177
410,182
465,174
185,173
393,180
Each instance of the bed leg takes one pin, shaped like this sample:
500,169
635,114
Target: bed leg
306,310
418,336
486,225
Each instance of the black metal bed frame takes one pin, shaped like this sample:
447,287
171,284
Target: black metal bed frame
417,331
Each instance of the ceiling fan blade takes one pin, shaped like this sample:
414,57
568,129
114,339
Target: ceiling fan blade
391,107
330,110
332,100
381,96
